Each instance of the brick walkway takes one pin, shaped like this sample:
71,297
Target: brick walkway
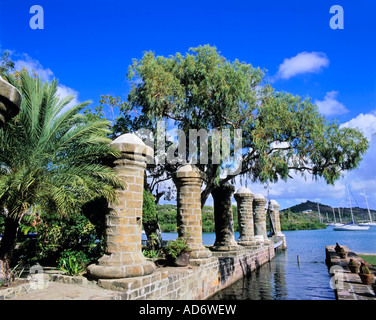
63,291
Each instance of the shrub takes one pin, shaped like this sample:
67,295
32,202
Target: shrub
72,262
364,269
176,247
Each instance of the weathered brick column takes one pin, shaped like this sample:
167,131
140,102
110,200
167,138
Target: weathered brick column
188,180
123,256
259,203
10,101
244,199
224,220
274,211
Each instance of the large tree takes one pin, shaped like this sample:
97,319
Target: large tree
281,133
51,156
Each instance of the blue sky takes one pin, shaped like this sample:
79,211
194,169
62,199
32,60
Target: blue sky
88,46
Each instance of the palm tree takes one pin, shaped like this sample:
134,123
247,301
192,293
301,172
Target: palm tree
50,156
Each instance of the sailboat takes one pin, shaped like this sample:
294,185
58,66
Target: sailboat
350,226
369,223
318,209
335,221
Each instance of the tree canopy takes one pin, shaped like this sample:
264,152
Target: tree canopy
281,132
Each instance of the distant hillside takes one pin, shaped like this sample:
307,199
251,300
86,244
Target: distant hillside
359,213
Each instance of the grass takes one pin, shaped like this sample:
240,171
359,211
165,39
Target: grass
370,258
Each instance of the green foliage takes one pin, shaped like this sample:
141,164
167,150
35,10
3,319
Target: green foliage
208,219
167,217
176,247
72,262
6,65
300,221
148,207
364,269
353,262
151,253
54,234
2,225
371,259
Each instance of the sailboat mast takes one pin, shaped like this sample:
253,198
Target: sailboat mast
352,216
339,214
369,213
334,216
318,209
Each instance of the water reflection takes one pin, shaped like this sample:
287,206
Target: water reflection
267,282
283,278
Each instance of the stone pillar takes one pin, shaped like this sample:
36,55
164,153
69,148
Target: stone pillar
274,211
244,199
123,257
10,101
224,220
259,203
188,180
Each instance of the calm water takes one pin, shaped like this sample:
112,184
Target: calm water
283,278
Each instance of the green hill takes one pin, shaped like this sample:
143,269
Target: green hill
359,213
293,218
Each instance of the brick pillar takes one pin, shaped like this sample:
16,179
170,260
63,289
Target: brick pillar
259,203
224,220
123,256
244,199
188,180
274,211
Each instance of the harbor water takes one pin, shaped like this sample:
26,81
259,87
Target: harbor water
298,273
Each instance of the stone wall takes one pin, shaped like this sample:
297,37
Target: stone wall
196,282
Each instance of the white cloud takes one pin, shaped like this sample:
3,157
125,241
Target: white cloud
33,66
46,74
366,123
64,91
304,62
330,106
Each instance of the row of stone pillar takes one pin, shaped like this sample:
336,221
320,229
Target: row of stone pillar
123,254
251,218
